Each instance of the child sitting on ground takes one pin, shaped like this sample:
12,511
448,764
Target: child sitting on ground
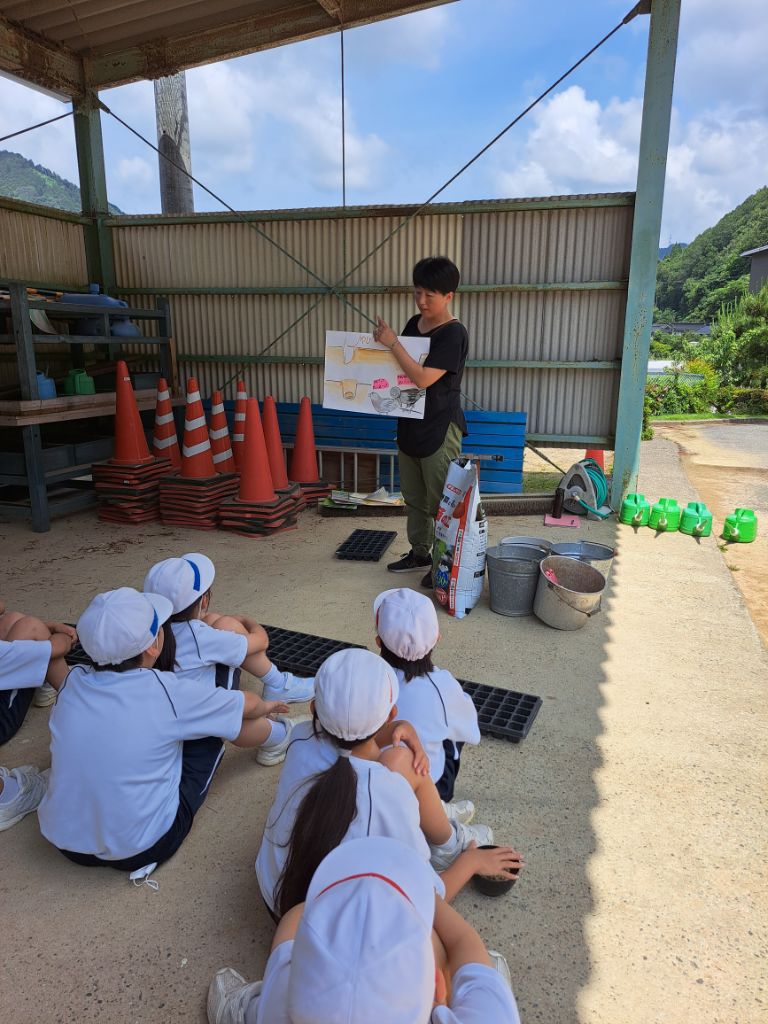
371,944
205,639
431,699
31,653
340,782
123,790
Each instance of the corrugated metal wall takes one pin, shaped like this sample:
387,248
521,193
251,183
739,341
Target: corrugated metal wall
579,245
42,249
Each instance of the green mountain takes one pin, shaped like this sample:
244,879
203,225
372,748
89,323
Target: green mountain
21,179
693,281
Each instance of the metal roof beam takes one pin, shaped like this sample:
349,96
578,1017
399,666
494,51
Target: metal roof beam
160,57
37,63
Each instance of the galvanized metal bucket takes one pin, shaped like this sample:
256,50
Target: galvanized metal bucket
573,597
513,570
598,555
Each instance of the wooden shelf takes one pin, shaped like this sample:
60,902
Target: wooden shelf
74,407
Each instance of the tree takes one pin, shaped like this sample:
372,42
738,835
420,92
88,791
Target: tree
738,345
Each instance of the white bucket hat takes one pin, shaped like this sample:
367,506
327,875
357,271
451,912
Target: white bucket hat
355,691
406,622
363,949
182,580
120,624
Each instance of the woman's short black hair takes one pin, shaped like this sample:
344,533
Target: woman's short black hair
436,274
410,669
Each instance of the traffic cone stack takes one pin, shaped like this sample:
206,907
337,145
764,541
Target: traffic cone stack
238,434
127,485
303,469
192,497
257,510
283,486
165,444
218,432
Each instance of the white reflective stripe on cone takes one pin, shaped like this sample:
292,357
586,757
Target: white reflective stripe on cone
193,396
223,456
163,417
163,395
238,437
197,449
218,408
217,434
194,424
164,442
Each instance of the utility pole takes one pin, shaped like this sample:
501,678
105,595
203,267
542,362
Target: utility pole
172,119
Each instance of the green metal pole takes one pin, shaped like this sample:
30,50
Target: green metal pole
93,191
652,164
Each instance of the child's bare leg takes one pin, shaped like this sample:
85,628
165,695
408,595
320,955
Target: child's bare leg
29,628
7,621
433,819
257,663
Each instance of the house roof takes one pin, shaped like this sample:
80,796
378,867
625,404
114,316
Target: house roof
63,45
754,252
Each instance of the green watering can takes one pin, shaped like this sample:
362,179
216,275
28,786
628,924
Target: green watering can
78,382
740,526
665,515
635,510
696,520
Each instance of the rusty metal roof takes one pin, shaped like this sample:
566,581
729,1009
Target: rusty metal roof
68,46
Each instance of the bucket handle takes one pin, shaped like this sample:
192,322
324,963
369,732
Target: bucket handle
589,615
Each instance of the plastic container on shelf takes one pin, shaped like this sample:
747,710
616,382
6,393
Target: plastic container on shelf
46,388
78,382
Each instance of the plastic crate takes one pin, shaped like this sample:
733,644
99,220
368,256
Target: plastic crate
503,713
301,653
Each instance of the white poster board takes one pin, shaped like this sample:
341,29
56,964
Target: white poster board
363,376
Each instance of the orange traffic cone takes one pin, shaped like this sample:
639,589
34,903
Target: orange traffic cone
165,444
197,459
131,447
274,444
223,459
304,459
597,454
238,434
255,479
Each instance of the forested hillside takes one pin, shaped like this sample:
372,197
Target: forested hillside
693,281
22,179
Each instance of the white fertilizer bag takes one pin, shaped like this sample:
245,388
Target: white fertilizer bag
461,539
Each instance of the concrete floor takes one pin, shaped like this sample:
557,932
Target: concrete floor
638,797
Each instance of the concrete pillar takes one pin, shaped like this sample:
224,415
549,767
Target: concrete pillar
173,142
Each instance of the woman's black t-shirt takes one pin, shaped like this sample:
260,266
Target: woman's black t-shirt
448,349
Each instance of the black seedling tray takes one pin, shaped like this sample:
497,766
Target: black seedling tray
301,653
77,656
503,713
365,545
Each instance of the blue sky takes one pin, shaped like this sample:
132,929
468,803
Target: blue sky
424,92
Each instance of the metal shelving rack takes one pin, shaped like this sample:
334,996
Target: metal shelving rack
31,411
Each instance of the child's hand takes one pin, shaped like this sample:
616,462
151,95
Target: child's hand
383,333
275,707
499,861
62,627
407,735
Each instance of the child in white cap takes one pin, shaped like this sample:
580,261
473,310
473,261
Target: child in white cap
431,699
340,782
31,654
372,944
206,639
122,791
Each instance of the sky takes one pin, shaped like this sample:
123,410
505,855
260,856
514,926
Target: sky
426,91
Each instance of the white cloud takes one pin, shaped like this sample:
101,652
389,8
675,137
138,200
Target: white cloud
52,146
137,171
418,38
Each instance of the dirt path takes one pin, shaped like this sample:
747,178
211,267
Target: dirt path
727,463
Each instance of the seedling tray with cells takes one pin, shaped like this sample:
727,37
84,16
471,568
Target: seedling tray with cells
365,545
503,713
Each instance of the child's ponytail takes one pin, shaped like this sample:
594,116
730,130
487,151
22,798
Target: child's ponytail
166,661
322,821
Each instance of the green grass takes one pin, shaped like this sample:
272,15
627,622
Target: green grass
678,417
540,483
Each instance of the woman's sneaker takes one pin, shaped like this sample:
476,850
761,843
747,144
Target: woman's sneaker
293,690
32,786
229,995
500,965
410,562
45,695
460,810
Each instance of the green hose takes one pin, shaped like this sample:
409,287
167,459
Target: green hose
599,482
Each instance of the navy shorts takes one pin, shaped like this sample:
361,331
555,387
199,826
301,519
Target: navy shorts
14,705
452,764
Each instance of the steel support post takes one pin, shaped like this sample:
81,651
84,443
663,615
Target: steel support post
652,164
93,191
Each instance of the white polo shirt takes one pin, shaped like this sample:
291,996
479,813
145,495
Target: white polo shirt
479,995
200,648
116,748
23,664
438,709
386,805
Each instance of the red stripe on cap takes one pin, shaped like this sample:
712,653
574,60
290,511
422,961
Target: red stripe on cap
365,874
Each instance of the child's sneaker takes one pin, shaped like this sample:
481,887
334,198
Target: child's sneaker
45,695
443,856
460,810
292,690
500,965
229,994
32,786
274,755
